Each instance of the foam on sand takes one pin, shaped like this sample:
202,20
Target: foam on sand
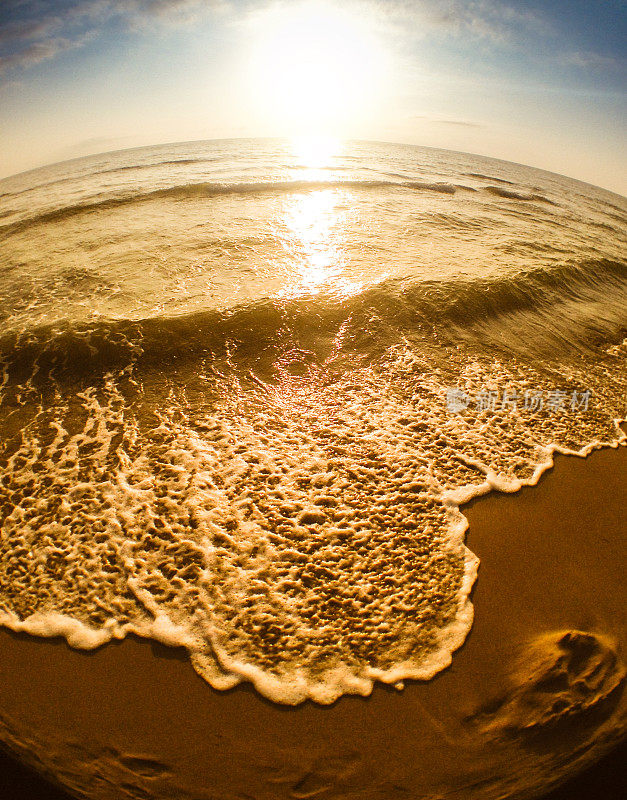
301,532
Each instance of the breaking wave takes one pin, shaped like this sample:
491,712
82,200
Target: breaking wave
561,305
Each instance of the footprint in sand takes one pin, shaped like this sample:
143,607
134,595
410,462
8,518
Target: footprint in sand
563,674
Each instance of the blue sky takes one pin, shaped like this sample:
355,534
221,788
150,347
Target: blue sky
541,83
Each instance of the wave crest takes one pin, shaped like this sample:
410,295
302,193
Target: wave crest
553,305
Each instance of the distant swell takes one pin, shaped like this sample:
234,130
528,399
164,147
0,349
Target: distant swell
210,189
199,190
483,177
511,195
111,171
155,165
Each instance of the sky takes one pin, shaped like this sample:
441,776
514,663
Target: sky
538,82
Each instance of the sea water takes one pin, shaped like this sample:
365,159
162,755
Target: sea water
246,386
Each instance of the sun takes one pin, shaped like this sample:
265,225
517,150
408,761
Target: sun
315,68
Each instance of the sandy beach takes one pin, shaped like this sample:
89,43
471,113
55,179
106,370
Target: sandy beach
606,778
133,719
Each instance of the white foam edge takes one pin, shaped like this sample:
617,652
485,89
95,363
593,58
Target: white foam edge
81,636
341,680
455,498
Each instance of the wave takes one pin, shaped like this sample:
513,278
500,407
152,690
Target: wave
153,165
124,168
214,189
483,177
511,195
211,189
574,307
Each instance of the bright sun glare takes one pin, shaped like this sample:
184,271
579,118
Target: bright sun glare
315,68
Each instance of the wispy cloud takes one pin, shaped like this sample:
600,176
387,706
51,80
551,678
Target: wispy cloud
142,14
34,32
499,28
492,20
440,121
591,60
35,53
20,30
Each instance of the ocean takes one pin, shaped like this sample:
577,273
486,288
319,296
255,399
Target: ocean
248,384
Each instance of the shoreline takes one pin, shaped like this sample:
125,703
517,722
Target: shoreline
543,559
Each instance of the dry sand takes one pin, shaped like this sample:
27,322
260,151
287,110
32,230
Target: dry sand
524,704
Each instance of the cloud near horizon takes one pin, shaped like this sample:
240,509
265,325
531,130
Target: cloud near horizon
439,121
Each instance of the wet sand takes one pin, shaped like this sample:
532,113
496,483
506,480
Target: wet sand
133,720
606,779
